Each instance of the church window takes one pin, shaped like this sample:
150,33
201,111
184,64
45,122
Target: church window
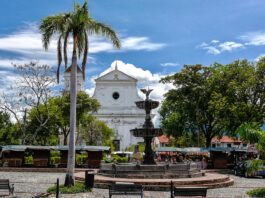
115,95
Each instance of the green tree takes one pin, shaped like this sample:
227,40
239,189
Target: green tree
8,133
239,93
95,132
214,100
85,105
78,24
58,124
186,108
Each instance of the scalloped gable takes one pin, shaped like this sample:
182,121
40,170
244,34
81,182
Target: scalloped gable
116,75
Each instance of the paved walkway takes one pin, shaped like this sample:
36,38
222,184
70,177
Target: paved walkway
29,184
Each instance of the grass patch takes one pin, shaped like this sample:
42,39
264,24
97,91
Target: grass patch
79,187
258,192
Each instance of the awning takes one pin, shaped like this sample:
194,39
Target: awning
29,147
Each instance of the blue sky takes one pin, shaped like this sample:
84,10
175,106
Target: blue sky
158,36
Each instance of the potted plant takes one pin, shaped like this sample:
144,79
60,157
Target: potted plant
28,159
55,158
81,159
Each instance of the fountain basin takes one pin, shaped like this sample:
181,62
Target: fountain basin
147,132
161,170
150,104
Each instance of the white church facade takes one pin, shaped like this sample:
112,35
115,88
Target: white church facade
117,93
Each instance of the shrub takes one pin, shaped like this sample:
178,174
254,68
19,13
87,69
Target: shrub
107,159
141,147
28,159
258,192
55,157
253,165
79,187
81,158
117,158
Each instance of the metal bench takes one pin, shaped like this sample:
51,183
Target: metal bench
125,189
188,191
5,185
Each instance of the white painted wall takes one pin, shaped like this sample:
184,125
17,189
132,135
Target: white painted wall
120,114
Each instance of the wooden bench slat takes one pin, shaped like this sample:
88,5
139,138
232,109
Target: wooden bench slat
125,189
5,185
188,191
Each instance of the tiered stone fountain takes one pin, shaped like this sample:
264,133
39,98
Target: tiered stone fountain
149,168
148,132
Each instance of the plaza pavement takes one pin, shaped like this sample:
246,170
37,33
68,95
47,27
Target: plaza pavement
28,184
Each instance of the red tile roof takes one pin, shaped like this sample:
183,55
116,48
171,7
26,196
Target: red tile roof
163,139
225,139
68,70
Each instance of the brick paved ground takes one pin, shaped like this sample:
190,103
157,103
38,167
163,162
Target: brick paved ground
29,184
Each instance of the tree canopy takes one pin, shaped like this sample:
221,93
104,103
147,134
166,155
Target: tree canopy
8,134
59,124
214,100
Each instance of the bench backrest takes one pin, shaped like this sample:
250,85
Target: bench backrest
187,191
125,187
192,191
4,184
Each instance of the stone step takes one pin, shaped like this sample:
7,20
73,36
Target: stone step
166,187
155,175
210,180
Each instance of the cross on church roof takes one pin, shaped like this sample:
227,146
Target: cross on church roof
116,66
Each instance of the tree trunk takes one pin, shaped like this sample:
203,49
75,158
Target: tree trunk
65,139
69,179
208,141
78,133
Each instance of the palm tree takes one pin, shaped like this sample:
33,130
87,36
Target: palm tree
77,24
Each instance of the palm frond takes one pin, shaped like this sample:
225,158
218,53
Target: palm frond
51,25
97,28
85,57
81,42
65,48
59,57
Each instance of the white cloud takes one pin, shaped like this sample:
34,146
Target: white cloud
212,50
140,43
7,80
143,76
215,41
215,47
202,45
229,46
259,57
254,38
169,64
27,42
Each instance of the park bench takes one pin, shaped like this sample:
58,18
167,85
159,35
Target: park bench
5,185
125,189
188,191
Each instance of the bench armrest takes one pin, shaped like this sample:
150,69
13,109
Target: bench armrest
12,189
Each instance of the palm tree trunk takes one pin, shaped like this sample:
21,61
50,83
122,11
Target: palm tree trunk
69,179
